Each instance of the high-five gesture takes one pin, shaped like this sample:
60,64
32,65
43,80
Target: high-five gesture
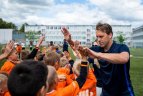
75,49
67,36
83,52
92,54
40,41
76,45
8,49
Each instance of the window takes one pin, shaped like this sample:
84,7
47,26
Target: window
51,27
88,30
55,27
47,27
88,40
59,27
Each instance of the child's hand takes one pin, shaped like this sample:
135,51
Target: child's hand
40,41
61,78
85,93
8,49
66,34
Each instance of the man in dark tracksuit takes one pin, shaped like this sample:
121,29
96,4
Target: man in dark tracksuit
114,60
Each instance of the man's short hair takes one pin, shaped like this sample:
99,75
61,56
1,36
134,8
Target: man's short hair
104,27
27,78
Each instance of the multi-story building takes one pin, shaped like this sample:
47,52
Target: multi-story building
83,33
137,37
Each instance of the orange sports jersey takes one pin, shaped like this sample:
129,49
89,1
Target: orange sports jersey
72,76
64,70
7,67
7,94
62,84
70,90
90,83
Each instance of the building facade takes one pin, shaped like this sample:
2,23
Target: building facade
137,37
5,35
83,33
125,31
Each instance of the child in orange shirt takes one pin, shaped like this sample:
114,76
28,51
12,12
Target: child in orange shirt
90,83
10,63
70,90
65,71
53,59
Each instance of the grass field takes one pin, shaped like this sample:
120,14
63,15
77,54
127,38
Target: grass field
136,70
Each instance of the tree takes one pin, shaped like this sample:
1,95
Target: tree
120,39
32,36
22,28
11,25
6,25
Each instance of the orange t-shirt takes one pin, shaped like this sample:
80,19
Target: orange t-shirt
7,94
63,70
72,76
7,67
70,90
62,84
90,83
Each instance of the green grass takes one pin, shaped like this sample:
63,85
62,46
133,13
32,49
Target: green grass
71,53
136,51
2,61
136,71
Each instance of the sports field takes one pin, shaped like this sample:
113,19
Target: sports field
136,70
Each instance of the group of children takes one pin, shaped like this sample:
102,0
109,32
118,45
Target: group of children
46,73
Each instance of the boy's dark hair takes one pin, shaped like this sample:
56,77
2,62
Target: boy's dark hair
104,27
27,78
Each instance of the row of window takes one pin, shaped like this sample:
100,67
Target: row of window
43,28
60,42
61,37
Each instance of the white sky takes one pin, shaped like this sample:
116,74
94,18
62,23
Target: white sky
72,11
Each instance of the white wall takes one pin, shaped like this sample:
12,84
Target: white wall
5,35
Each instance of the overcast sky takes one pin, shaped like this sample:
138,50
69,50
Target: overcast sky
72,11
